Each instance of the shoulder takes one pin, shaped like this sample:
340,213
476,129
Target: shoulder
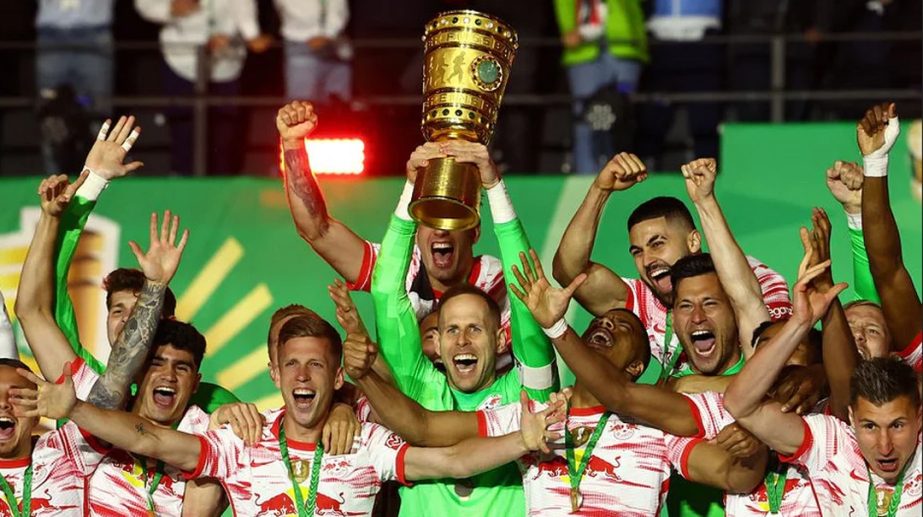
195,420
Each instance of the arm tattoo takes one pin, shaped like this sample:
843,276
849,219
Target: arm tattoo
130,349
140,428
303,183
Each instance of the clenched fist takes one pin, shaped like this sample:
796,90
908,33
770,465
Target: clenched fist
295,121
875,131
845,180
622,172
700,178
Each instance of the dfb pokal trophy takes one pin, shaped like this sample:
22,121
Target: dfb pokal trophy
466,66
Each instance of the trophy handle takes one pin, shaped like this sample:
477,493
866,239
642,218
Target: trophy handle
447,195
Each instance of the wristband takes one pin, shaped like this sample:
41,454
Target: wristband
854,221
557,330
403,204
501,207
876,162
875,166
92,186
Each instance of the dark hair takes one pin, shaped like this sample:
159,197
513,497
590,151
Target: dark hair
181,336
14,363
662,206
758,332
883,379
312,325
282,313
463,289
691,266
815,339
124,279
646,348
859,303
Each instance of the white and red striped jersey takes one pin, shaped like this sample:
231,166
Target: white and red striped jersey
119,487
840,475
628,473
486,274
798,497
913,354
653,313
62,462
258,482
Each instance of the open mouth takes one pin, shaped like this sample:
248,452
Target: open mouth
442,254
303,397
660,276
703,341
600,338
887,464
164,396
7,427
465,363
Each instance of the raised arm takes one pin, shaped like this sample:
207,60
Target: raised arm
603,288
744,397
530,345
876,133
845,180
123,430
131,348
415,424
35,295
476,455
840,355
734,272
8,348
331,239
657,406
350,320
105,162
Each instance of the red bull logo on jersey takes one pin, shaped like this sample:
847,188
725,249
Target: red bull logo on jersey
915,485
336,467
623,431
597,467
553,468
278,506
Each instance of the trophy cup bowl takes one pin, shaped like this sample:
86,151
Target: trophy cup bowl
466,65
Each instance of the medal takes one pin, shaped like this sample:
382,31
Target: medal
576,500
300,470
886,502
579,436
305,508
574,471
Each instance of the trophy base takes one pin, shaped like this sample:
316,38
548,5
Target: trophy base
447,195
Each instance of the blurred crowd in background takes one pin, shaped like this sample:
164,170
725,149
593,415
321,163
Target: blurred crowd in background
591,77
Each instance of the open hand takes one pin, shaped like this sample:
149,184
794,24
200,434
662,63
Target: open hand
346,312
800,388
622,172
845,180
47,399
533,426
162,258
475,153
700,177
56,192
809,303
108,153
547,304
340,429
245,419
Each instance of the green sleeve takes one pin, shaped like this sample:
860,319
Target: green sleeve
395,320
531,347
72,222
863,283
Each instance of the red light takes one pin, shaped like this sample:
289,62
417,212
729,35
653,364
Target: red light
340,156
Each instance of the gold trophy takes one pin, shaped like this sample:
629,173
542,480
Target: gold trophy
467,63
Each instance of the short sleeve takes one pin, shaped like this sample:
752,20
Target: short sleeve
499,421
84,448
678,450
822,436
84,378
364,280
774,288
913,353
708,410
633,300
219,456
386,450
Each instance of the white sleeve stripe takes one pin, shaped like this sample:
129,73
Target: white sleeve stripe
537,378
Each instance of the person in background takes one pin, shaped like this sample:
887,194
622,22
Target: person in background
604,47
84,71
221,26
317,54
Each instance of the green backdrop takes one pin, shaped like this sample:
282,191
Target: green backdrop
249,260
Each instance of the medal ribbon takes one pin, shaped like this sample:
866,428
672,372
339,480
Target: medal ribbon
895,496
574,471
775,487
304,510
11,500
667,339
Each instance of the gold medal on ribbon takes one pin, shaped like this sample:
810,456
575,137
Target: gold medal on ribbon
884,500
576,499
300,470
580,436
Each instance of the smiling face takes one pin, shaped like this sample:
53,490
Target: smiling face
447,256
887,434
468,337
308,375
656,245
869,330
15,432
620,337
169,382
705,325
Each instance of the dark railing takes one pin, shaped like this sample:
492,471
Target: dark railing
777,95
